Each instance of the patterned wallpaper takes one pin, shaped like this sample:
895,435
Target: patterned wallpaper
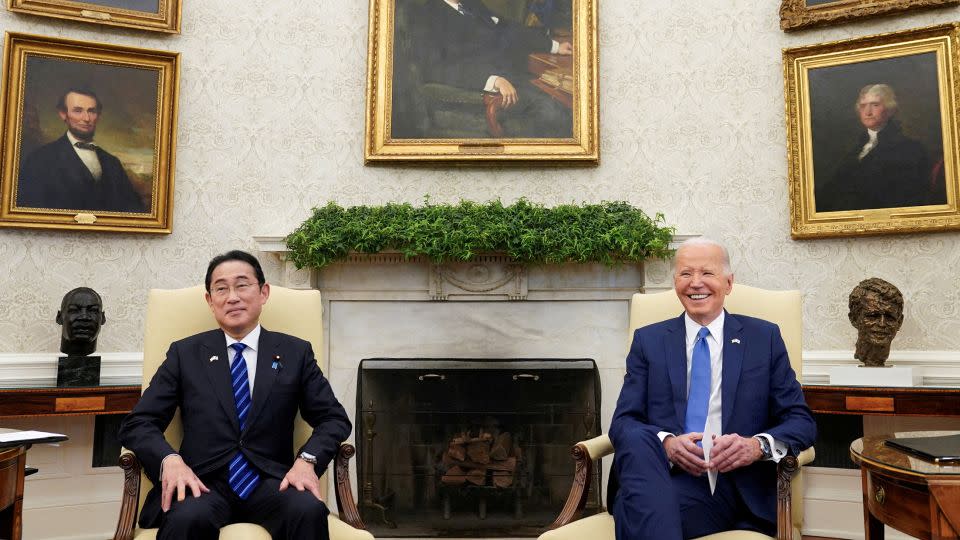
271,123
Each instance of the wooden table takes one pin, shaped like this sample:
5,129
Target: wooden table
52,401
882,401
912,495
12,463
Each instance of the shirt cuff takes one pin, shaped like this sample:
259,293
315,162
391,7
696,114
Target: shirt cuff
555,47
490,82
664,434
778,449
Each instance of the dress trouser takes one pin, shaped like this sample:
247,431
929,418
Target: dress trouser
289,514
536,114
656,501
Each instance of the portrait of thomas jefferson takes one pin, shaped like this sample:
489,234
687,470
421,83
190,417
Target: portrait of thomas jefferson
88,138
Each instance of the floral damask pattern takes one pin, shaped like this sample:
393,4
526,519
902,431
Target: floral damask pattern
271,124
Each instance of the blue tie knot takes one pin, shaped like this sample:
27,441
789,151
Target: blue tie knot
239,347
703,333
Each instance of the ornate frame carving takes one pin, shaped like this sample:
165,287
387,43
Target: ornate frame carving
851,64
165,19
796,14
381,146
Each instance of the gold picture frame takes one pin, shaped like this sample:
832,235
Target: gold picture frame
420,109
797,14
846,180
155,15
89,132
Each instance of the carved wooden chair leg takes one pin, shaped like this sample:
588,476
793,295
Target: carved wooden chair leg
492,103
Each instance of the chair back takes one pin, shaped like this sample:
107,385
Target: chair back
174,314
783,308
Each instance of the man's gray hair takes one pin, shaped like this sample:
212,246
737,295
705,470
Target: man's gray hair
886,94
704,241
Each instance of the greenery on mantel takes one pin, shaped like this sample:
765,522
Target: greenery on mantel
609,232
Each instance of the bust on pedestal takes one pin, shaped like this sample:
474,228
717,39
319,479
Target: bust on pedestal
81,315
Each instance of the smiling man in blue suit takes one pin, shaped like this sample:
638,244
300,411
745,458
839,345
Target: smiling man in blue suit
705,372
238,389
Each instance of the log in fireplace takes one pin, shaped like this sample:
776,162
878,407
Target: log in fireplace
470,447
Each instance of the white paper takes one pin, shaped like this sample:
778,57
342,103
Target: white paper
27,436
707,444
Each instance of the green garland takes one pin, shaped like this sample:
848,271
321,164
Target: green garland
609,232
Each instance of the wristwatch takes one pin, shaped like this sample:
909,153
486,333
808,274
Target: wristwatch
764,447
309,458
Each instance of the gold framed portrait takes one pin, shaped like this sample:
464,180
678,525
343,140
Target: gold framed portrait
482,81
89,132
797,14
872,134
156,15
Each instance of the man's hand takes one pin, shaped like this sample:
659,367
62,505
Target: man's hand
303,477
732,451
565,48
177,475
508,92
682,451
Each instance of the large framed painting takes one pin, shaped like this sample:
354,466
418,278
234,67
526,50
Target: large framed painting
872,134
157,15
796,14
88,138
482,81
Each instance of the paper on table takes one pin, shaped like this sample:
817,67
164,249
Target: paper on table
707,444
28,436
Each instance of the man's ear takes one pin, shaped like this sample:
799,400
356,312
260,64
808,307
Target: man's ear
103,317
59,317
63,115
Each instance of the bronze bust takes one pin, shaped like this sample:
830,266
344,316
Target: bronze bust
876,311
81,315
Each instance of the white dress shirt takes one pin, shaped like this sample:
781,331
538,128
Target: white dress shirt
88,156
871,143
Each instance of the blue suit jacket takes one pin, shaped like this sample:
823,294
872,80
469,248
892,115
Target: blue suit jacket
202,390
759,394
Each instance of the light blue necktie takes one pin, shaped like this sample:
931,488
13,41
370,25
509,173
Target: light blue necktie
243,477
698,399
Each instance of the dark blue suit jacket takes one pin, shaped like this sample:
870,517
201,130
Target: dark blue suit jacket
759,394
202,391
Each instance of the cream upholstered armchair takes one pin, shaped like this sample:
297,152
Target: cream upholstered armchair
175,314
780,307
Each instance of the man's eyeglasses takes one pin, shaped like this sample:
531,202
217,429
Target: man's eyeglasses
221,291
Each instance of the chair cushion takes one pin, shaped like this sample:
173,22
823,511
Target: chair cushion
596,526
248,531
736,535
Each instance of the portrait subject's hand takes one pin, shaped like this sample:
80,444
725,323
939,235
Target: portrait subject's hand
682,451
508,92
303,477
732,451
178,476
565,48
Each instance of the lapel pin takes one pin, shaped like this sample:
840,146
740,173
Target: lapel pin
735,340
214,358
276,362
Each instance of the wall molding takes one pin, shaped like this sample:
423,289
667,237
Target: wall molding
937,368
27,370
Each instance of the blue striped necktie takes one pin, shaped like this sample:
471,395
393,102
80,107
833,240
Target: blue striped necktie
243,477
698,399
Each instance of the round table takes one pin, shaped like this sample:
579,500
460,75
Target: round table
910,494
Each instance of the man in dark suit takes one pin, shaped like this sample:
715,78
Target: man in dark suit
884,168
466,45
238,390
72,172
707,374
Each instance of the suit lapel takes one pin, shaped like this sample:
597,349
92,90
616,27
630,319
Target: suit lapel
266,374
218,371
732,361
676,355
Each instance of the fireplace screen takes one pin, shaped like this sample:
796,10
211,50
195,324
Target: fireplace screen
463,447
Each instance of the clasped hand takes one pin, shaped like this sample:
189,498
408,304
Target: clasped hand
729,452
178,476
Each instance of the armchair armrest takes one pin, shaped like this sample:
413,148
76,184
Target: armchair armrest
787,468
130,501
584,454
345,501
491,103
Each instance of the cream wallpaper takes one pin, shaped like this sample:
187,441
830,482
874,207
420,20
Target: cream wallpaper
271,123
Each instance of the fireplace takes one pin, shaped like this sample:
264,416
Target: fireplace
470,447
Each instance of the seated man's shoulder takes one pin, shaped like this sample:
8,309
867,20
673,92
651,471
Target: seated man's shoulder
756,324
